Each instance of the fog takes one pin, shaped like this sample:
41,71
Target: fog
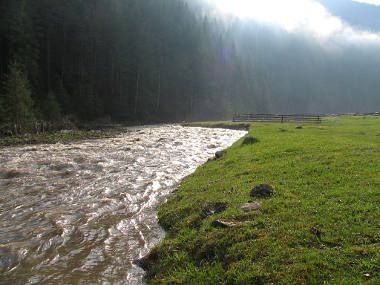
167,61
305,58
298,16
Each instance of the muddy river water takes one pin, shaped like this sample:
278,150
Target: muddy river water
81,213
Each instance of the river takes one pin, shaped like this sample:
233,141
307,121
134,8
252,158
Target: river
81,213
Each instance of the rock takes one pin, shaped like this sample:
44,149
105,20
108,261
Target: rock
214,208
249,140
225,224
177,143
250,207
220,154
211,146
262,190
147,261
299,127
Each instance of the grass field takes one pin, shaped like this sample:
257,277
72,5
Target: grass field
321,227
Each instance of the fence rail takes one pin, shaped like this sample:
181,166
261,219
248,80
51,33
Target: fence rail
277,118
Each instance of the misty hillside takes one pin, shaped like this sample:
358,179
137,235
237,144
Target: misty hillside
160,60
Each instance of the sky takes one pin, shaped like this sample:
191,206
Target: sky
372,2
323,19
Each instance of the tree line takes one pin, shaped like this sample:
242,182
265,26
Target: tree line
130,60
160,61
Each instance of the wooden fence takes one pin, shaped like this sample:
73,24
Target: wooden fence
277,118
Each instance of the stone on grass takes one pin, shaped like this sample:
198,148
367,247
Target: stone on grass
147,261
262,191
251,207
249,140
220,154
299,127
225,224
214,208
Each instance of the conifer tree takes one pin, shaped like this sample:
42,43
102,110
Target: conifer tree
16,97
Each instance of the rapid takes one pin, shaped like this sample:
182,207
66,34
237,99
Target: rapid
82,213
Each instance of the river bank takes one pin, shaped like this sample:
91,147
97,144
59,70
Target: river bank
320,226
102,132
85,132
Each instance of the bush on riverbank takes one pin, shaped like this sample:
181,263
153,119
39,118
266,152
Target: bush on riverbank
322,224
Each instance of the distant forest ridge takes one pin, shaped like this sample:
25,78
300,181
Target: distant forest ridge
161,60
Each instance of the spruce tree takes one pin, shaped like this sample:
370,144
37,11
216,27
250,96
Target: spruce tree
16,98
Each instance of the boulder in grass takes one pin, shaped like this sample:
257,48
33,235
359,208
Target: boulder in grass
147,261
249,140
225,224
299,127
220,154
214,208
262,191
251,207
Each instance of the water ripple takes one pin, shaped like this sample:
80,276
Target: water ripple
81,213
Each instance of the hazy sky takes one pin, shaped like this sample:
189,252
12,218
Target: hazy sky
308,16
373,2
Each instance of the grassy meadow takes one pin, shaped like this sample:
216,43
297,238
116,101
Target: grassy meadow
322,226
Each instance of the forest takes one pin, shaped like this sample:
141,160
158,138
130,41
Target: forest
169,61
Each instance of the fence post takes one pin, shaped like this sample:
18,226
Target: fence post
282,118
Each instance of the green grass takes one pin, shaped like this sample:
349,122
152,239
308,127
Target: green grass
322,225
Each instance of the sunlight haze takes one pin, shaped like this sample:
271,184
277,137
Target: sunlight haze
372,2
294,16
